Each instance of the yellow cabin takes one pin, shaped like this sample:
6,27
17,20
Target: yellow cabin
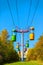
31,36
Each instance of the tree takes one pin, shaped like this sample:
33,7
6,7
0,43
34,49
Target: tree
31,54
7,51
36,53
39,48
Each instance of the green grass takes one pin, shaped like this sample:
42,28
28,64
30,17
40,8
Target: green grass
24,63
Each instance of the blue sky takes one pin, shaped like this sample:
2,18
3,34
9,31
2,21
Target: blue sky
21,21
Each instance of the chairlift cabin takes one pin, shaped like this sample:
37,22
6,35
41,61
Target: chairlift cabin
31,36
13,38
27,44
18,47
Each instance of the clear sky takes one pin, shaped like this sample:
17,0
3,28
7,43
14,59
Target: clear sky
21,21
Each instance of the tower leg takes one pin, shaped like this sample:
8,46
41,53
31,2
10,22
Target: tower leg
22,46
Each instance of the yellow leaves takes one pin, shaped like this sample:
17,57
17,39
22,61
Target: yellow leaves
4,35
4,32
41,39
6,48
37,52
30,54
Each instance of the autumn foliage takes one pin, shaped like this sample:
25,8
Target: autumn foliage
36,53
7,52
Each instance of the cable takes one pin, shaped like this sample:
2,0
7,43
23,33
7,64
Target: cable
17,13
29,11
34,14
11,14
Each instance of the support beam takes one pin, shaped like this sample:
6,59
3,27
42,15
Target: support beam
22,49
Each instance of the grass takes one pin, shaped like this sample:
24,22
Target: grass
25,63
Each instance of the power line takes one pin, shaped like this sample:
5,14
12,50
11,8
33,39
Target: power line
34,13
